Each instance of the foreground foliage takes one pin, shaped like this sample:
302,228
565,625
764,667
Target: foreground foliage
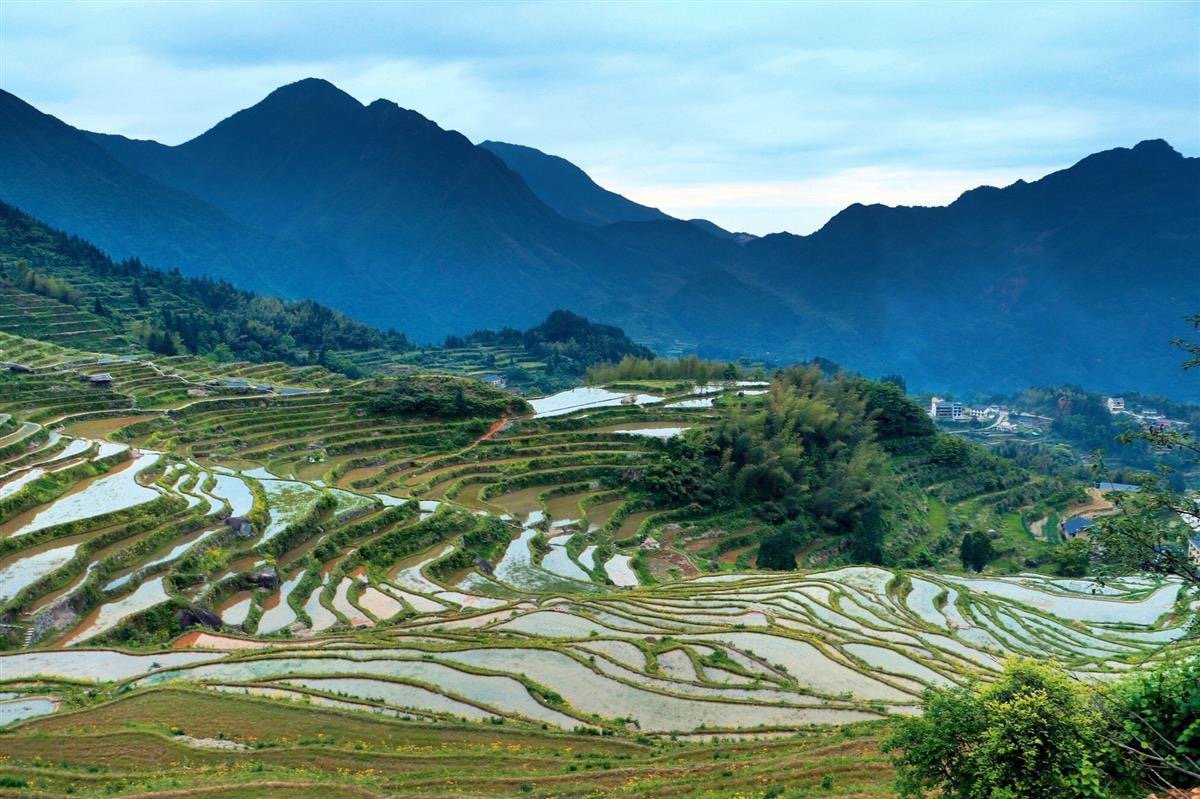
1035,732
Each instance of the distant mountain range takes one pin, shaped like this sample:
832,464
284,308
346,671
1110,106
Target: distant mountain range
1082,276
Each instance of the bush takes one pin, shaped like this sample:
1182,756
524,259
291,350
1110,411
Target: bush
1030,735
1160,718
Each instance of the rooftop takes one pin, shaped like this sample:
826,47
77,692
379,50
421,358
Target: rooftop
1077,524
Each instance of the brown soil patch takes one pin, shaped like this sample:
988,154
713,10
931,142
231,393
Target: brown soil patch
664,561
1096,506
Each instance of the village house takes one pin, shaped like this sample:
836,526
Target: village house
1194,550
946,410
241,526
1115,404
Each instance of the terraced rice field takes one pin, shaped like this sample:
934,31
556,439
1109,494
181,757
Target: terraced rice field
722,654
327,545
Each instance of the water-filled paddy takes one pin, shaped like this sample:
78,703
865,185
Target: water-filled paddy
587,397
117,490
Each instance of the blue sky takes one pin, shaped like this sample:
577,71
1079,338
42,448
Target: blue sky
761,117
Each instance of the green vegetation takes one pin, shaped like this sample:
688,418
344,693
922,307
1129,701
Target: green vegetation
976,550
1154,526
1158,720
127,306
567,343
444,397
1030,734
634,368
807,456
1035,732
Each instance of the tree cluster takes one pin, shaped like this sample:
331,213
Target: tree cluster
442,397
808,460
633,368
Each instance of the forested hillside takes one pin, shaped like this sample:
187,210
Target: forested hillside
62,289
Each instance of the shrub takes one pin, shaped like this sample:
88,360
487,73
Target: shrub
1030,735
1160,718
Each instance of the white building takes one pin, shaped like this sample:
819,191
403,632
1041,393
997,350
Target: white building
1115,404
946,410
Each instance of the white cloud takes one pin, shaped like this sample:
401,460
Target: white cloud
808,204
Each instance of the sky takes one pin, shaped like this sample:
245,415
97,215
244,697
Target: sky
759,116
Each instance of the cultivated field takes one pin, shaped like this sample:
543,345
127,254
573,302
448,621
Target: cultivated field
240,570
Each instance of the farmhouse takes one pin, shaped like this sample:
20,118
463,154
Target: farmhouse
1124,488
240,525
1193,550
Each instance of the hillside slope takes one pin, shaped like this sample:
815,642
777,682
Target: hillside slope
568,189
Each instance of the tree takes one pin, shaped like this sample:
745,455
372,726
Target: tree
976,550
951,450
1152,526
777,550
1032,734
1159,711
1073,558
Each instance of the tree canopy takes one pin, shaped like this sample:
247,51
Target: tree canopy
808,456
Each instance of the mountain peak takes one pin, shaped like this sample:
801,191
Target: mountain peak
310,92
1155,147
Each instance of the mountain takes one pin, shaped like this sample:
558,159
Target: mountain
441,234
1081,276
573,194
58,174
567,189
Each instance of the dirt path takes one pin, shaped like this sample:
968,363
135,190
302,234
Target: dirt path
1097,506
492,431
